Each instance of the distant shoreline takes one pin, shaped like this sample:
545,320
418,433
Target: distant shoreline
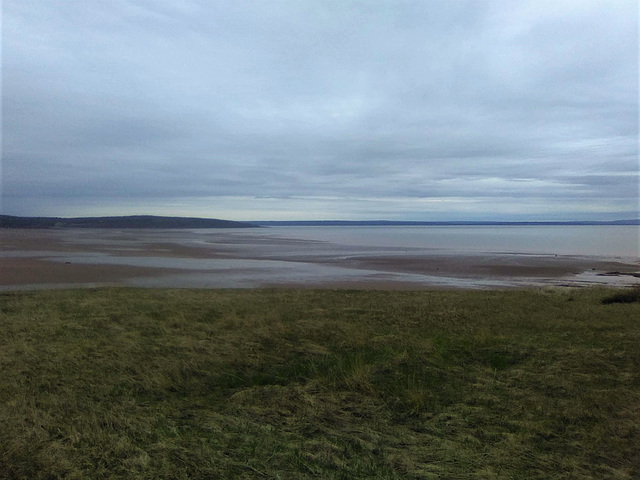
391,223
161,222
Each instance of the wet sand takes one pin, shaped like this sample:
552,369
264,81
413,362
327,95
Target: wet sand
37,271
237,259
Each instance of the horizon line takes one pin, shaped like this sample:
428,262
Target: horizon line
629,221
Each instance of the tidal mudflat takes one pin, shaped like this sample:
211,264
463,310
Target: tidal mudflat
388,257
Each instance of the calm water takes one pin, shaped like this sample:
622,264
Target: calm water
605,241
313,255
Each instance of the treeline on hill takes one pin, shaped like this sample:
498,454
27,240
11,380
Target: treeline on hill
134,221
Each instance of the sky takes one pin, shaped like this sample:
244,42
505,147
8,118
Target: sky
321,109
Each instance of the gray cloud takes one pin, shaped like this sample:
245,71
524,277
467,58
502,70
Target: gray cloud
412,110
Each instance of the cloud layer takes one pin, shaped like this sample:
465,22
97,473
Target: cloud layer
296,110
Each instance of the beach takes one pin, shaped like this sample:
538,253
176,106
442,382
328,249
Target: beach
230,258
369,360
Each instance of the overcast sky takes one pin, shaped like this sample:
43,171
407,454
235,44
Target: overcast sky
257,110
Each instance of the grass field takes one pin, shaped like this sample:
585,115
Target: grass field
294,384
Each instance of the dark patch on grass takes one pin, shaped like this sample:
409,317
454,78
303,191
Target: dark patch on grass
631,295
501,357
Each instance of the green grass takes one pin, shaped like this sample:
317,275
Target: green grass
294,384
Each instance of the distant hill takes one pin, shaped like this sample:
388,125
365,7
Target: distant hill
135,221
